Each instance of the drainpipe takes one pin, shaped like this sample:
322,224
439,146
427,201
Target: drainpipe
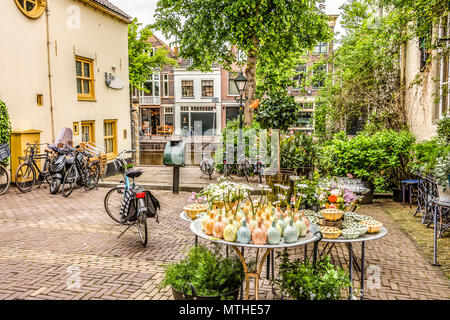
50,76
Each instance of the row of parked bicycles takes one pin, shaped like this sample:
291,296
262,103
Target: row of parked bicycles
64,167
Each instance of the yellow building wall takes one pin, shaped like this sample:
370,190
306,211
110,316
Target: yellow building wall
75,29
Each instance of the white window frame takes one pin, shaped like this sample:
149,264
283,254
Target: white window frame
326,71
165,80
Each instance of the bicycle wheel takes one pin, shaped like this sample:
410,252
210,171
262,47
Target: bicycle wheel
55,185
142,228
4,180
113,202
92,174
69,181
244,167
25,177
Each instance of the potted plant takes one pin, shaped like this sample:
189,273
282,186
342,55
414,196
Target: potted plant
204,274
303,281
442,177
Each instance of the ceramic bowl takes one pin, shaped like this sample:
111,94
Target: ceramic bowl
350,233
332,214
372,225
330,232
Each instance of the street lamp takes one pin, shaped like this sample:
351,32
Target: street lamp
241,84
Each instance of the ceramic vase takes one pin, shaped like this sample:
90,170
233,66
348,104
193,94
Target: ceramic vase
258,235
301,227
209,225
230,231
244,235
273,234
290,233
218,228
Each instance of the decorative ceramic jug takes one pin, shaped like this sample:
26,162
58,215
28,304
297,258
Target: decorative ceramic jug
230,231
273,234
258,235
204,219
209,224
218,228
253,223
244,235
306,221
282,224
290,233
279,213
301,227
268,221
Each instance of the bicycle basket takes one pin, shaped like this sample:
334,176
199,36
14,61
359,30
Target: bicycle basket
4,151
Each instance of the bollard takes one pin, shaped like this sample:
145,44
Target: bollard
176,180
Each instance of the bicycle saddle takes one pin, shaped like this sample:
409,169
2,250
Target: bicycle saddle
134,174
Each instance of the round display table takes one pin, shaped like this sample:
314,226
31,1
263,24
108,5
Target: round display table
330,243
313,235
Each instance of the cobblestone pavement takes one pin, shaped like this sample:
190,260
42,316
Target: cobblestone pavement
46,241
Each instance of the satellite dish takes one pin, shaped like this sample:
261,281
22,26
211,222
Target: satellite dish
114,82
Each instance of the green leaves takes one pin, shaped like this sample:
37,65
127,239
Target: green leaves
208,271
278,111
141,62
5,126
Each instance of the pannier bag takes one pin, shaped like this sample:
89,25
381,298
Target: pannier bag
128,209
152,204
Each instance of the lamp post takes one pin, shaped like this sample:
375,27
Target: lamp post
241,84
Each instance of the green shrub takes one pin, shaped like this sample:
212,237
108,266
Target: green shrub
301,281
369,156
299,151
443,129
5,126
277,111
210,273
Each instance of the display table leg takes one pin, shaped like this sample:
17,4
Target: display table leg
350,289
435,262
252,275
362,269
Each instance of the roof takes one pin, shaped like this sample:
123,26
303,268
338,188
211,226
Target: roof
108,7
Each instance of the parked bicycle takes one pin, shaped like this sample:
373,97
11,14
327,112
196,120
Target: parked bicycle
129,204
29,172
206,164
82,171
4,175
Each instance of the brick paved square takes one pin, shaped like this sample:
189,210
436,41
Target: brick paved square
44,237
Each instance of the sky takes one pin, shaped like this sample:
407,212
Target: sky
145,9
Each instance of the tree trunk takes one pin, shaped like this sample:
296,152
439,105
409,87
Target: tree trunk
250,91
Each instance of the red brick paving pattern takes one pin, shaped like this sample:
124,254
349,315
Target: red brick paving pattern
42,235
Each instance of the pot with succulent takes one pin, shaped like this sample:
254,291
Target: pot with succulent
204,275
442,177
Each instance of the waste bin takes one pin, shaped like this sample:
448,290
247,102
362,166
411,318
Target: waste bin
175,156
175,153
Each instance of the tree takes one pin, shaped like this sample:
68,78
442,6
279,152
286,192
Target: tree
268,31
142,63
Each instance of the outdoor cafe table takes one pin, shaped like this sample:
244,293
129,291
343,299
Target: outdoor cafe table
313,235
349,243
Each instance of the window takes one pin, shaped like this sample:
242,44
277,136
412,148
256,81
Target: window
319,76
85,78
322,47
152,85
87,131
39,99
76,128
187,88
232,88
207,88
110,136
300,71
165,85
444,67
31,8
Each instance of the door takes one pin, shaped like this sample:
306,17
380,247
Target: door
87,131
